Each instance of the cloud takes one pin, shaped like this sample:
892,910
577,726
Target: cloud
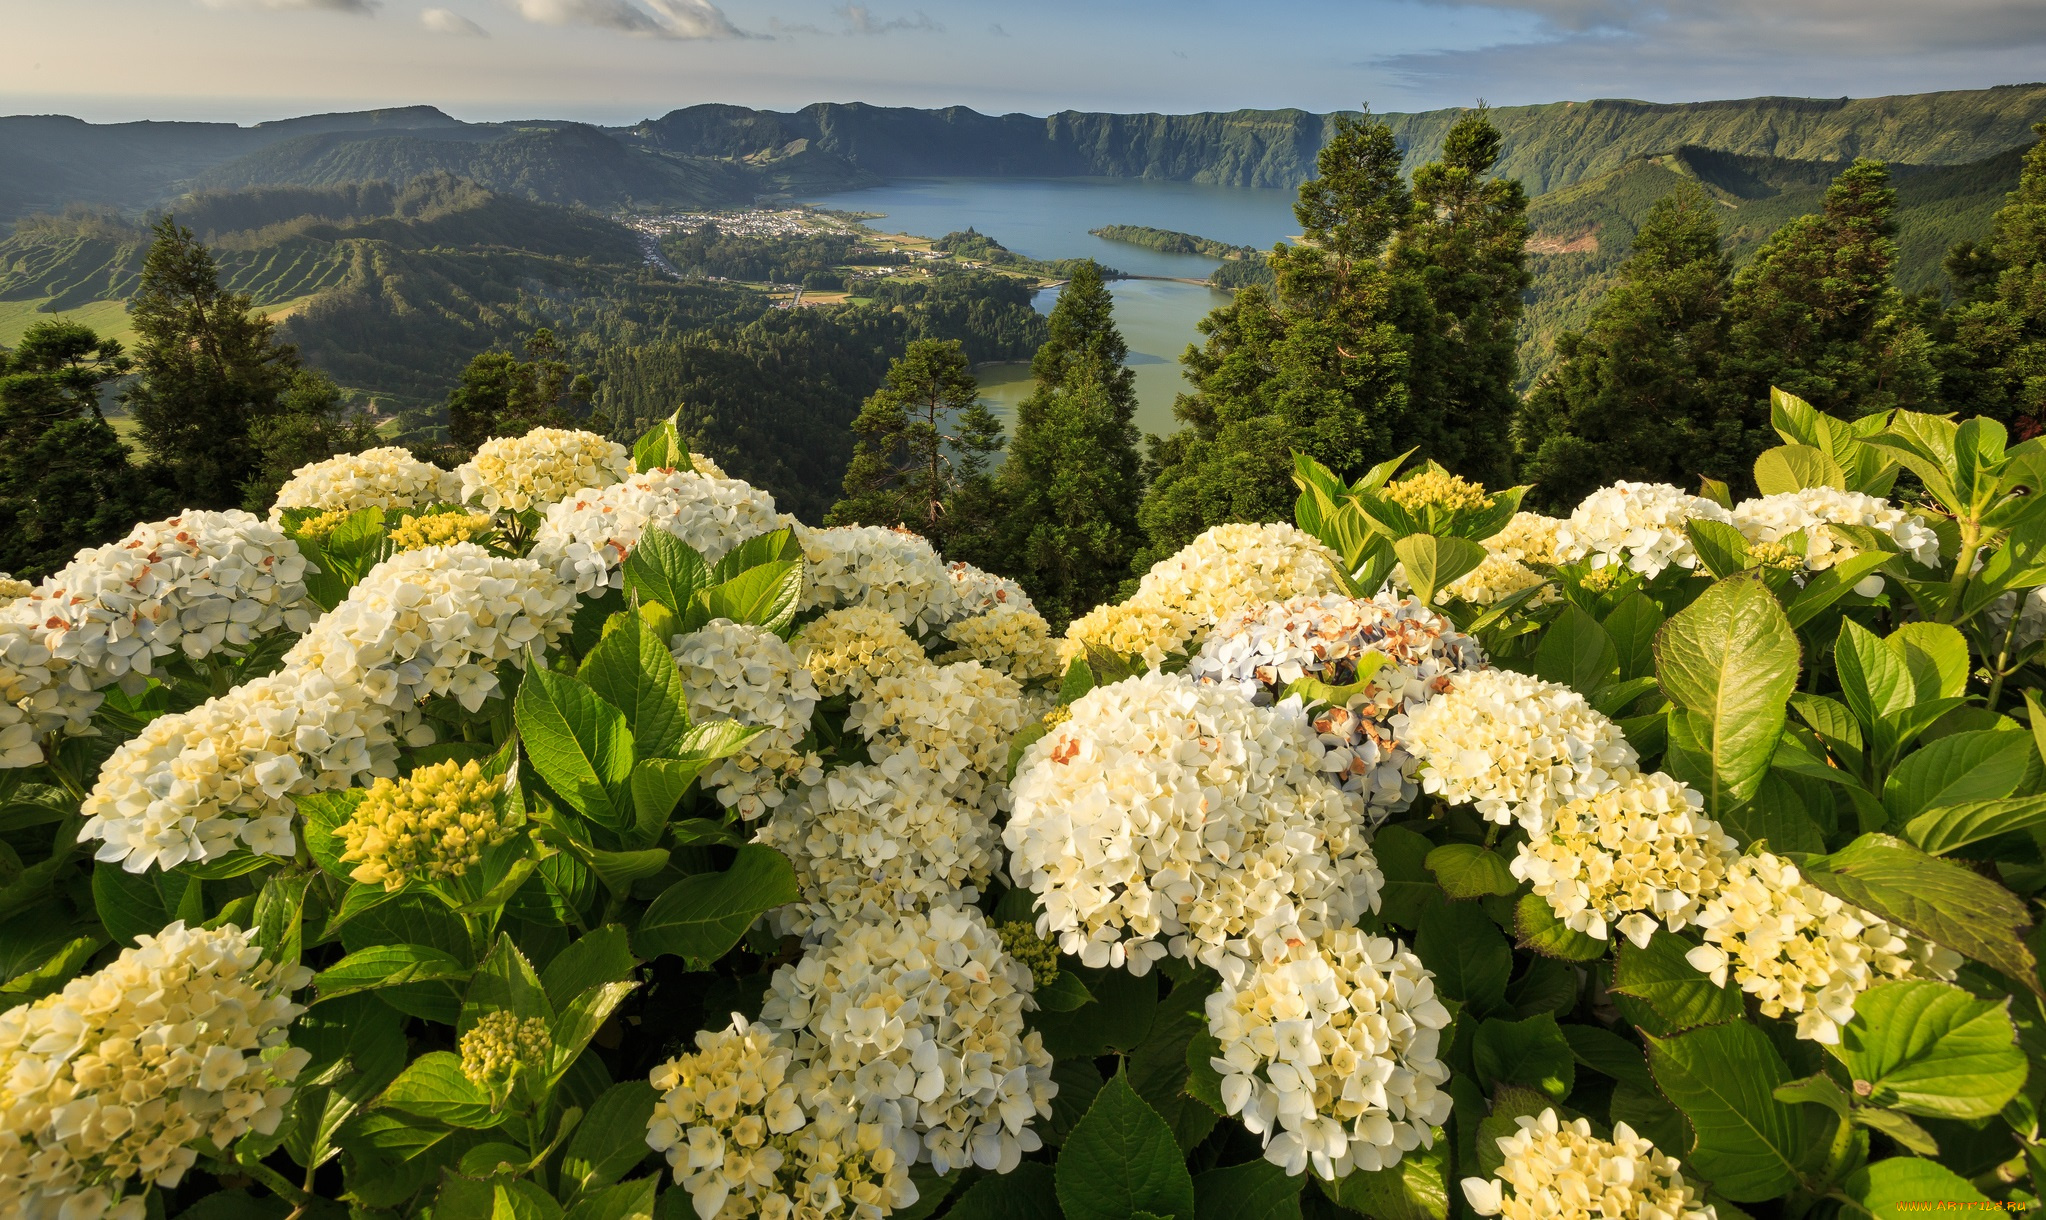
679,19
446,21
362,7
860,20
1812,26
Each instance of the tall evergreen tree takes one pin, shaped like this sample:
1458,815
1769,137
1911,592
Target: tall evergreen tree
502,395
1320,366
1630,397
1818,314
311,423
1995,361
921,460
65,478
1465,246
1070,486
210,369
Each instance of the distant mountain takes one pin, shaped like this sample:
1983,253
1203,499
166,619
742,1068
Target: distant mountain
729,154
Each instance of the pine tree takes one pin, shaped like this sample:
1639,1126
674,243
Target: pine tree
65,478
1070,486
501,395
1995,361
1629,398
1818,314
210,370
1320,366
1465,246
921,460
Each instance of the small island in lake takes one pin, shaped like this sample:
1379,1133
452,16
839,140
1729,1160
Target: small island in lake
1171,241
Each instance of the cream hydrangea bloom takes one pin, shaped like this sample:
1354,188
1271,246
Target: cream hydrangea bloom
871,840
705,466
1801,951
1527,538
1516,747
385,477
39,693
881,568
1231,568
11,588
1635,525
1330,1052
111,1080
917,1021
1494,580
979,591
1013,639
742,1144
586,537
1774,518
1632,858
1263,650
543,467
196,785
437,621
845,650
750,675
1560,1171
955,720
1130,629
198,583
1167,814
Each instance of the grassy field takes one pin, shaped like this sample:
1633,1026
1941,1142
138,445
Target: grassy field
108,318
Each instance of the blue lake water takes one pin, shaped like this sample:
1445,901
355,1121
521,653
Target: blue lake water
1049,218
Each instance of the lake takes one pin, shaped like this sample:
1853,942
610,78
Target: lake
1049,218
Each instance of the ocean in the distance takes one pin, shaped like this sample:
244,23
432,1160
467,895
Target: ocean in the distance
1049,218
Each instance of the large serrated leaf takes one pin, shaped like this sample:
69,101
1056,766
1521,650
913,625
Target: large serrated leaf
701,917
635,673
1120,1160
1931,1049
578,743
1730,659
1749,1145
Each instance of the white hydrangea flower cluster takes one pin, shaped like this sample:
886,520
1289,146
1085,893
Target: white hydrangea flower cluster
543,467
917,1022
742,1145
1331,1052
385,477
1492,581
751,676
955,720
12,587
1774,518
1560,1171
1636,525
198,583
1013,639
39,693
1218,575
847,649
1632,858
872,840
1168,814
1527,538
1800,950
586,537
979,592
878,567
196,785
437,621
705,466
1516,747
1263,650
110,1080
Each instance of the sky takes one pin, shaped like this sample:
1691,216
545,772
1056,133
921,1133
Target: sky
617,61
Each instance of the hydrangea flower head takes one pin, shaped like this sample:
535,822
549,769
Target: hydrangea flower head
1801,951
1171,815
1331,1052
979,592
750,675
1013,639
1635,525
440,529
1434,488
1516,747
886,569
1632,858
1812,509
433,824
846,649
542,467
385,477
501,1044
113,1079
1556,1170
585,538
1527,538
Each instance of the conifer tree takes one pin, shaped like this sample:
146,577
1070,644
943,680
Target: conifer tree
921,460
502,395
1070,486
1995,362
1818,314
1465,247
1630,397
210,369
311,423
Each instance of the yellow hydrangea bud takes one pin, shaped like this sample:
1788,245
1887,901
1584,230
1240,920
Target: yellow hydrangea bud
1775,555
1433,488
500,1043
440,529
320,525
434,823
1024,944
